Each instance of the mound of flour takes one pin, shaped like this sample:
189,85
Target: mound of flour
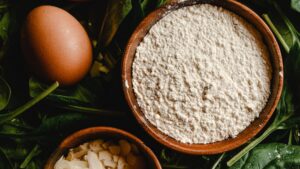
202,74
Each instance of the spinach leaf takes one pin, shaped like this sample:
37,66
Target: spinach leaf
5,158
9,116
116,11
59,122
73,95
269,156
15,152
146,6
281,31
34,152
284,111
283,28
5,93
295,4
4,31
162,2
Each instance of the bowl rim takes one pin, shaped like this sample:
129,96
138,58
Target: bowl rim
227,144
76,138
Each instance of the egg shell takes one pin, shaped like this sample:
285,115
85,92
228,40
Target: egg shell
55,45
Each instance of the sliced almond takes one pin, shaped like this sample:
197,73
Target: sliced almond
125,147
131,159
106,144
121,163
96,145
93,161
115,158
115,150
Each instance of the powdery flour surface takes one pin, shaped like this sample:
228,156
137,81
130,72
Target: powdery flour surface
202,74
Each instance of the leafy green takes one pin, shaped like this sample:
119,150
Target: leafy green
34,152
269,156
284,30
4,155
116,11
174,160
78,98
59,122
295,4
9,116
4,24
92,110
74,95
5,93
284,110
218,162
110,34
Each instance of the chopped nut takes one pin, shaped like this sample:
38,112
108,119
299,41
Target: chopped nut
106,145
131,159
110,155
94,162
115,158
125,147
115,150
140,163
96,145
76,155
104,155
121,163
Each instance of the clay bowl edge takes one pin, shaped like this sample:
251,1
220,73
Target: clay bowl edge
221,146
88,134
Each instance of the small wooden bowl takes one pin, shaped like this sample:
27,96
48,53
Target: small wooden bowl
89,134
253,128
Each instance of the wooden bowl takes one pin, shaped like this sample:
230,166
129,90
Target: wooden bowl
254,127
89,134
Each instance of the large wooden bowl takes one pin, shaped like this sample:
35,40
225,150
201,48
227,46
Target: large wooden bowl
92,133
255,126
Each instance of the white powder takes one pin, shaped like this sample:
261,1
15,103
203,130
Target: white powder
202,74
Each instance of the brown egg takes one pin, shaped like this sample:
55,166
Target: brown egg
55,45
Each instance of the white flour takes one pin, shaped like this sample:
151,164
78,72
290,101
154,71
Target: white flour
202,74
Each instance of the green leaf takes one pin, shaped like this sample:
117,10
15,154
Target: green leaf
15,152
59,122
290,123
91,110
116,12
270,156
295,5
161,2
9,116
73,95
4,155
34,152
4,32
284,111
5,93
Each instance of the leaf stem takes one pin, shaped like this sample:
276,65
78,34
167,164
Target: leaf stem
35,151
93,110
218,161
277,34
6,157
6,117
250,146
290,142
